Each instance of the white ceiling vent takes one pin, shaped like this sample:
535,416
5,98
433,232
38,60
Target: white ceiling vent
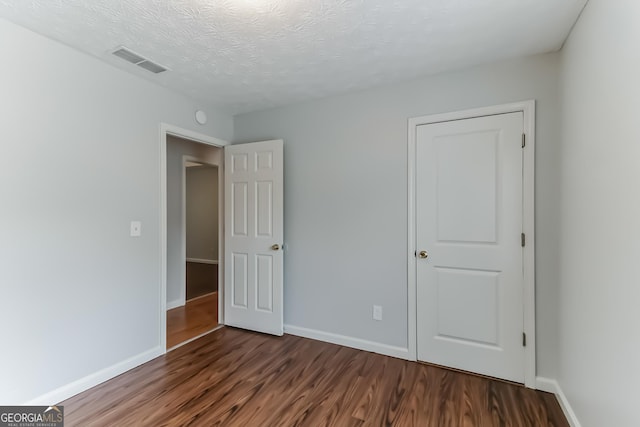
139,60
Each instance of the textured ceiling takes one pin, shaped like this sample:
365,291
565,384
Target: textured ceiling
244,55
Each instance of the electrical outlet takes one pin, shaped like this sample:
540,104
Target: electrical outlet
377,312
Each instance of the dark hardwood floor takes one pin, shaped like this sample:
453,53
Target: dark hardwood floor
237,378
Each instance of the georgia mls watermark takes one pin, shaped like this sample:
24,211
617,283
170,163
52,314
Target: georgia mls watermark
31,416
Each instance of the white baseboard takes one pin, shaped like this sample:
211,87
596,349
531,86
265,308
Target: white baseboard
360,344
175,303
552,386
547,384
92,380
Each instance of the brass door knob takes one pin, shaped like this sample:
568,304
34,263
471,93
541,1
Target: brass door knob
423,254
275,247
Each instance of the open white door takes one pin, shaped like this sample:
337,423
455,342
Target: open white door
253,229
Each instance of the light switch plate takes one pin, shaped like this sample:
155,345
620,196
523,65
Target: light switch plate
136,229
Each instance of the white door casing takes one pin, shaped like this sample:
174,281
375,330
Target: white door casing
458,316
253,181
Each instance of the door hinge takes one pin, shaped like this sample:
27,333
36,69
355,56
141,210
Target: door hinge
522,240
524,339
524,140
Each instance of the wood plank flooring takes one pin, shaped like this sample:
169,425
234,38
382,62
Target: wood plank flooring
237,378
196,317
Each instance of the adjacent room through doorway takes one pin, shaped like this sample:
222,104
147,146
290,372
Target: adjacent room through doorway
193,243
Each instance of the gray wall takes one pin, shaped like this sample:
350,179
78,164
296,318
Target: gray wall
176,149
346,196
599,317
79,159
202,212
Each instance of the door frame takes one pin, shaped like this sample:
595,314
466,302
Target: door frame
165,130
528,225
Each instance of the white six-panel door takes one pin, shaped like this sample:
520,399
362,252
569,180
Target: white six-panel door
469,267
253,285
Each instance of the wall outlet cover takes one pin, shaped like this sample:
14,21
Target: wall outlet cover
377,312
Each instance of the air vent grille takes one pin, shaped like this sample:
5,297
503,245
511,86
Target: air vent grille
152,66
139,60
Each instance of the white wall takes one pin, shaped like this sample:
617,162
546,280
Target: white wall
176,149
599,321
201,200
346,196
79,159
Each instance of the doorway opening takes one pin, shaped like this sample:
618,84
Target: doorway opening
200,231
191,236
200,213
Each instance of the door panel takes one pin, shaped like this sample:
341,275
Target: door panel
239,280
264,210
469,220
264,283
467,207
464,294
254,236
240,208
